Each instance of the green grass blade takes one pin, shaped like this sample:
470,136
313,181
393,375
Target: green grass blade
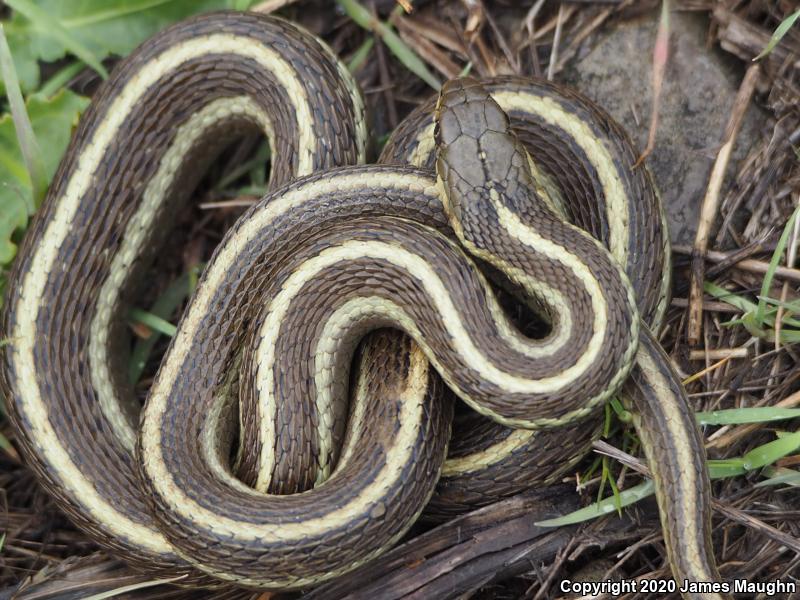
152,321
725,468
603,507
770,452
718,469
166,304
47,23
739,416
60,79
788,336
360,55
729,297
259,162
773,264
398,47
31,153
623,414
789,309
780,31
779,476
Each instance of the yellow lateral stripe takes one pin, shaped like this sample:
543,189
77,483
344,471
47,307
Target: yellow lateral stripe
46,254
140,224
615,196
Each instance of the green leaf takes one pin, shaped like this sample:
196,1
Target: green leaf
44,21
13,218
737,416
25,61
781,30
770,452
91,29
603,507
52,121
750,318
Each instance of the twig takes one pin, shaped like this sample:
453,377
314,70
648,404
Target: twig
719,353
240,202
500,38
750,265
497,541
711,203
425,48
580,36
475,18
529,20
386,81
769,531
556,40
606,449
431,30
708,305
269,6
660,58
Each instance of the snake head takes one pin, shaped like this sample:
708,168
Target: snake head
480,163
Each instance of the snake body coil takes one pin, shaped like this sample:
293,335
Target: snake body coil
297,283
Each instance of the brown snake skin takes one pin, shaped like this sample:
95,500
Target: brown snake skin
262,334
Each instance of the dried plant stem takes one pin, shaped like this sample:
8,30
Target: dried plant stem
750,265
708,211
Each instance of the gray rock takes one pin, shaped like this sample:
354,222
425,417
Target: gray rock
698,92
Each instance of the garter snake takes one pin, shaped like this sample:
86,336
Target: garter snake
332,254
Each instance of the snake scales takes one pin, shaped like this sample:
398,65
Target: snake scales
332,254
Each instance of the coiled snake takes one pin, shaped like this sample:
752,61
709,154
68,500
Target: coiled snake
336,252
